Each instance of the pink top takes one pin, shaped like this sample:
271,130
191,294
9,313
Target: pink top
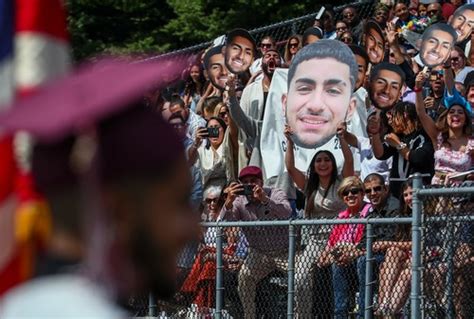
449,161
348,233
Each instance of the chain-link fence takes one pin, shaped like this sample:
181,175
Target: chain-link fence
417,266
448,253
280,31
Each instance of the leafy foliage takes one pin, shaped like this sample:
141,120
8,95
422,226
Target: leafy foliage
154,26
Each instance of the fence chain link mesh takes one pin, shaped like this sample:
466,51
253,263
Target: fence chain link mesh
448,256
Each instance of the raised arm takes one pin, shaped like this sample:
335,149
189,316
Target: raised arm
373,130
426,121
348,167
246,123
449,78
296,175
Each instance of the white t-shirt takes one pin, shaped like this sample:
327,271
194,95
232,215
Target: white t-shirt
368,163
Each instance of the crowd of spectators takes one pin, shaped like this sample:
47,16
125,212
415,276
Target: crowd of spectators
406,118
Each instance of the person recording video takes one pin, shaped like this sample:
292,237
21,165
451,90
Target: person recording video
248,200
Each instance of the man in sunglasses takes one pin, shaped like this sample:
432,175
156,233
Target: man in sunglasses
384,205
266,44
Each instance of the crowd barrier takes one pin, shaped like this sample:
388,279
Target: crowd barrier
432,278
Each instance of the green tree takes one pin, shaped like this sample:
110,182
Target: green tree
153,26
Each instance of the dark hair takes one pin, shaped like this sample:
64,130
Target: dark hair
177,100
210,103
360,51
374,73
210,53
463,8
312,184
218,119
441,27
316,31
268,37
407,111
403,232
442,123
326,49
191,87
374,176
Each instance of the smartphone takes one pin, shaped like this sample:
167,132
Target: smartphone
247,191
213,131
426,92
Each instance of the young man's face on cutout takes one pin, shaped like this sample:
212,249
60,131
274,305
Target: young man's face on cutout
319,98
374,46
239,54
436,49
462,23
217,71
385,89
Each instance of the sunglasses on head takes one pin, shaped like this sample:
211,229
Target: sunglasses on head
352,191
376,189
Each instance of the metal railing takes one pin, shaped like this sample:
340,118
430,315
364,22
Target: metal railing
453,213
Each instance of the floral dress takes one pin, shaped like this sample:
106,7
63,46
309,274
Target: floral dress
449,161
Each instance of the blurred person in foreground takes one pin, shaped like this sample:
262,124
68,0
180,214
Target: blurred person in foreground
135,212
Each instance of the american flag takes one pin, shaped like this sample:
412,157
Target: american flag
34,48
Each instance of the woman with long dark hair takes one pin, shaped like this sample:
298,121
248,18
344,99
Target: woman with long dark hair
194,86
451,134
320,186
408,144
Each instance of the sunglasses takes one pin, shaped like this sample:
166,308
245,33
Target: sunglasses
266,45
455,59
341,29
376,189
293,45
223,114
346,40
352,191
212,200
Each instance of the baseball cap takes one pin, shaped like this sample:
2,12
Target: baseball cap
251,171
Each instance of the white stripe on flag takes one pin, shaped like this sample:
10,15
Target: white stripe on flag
39,58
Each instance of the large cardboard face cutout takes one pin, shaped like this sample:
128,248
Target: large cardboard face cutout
374,42
437,42
216,70
385,86
320,92
462,21
239,51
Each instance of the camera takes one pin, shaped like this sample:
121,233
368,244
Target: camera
213,131
247,191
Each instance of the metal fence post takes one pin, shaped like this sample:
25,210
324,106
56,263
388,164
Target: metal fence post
219,273
291,270
450,250
415,295
152,306
369,283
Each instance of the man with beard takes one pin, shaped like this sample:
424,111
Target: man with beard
434,101
253,101
193,121
386,82
214,64
374,42
437,42
462,22
321,80
240,50
435,12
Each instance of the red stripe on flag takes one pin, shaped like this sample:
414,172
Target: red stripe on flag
44,16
